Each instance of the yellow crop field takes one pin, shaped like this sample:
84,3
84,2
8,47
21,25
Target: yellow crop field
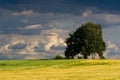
60,70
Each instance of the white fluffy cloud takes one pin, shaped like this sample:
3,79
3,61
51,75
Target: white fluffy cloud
33,44
112,50
54,37
36,26
87,13
112,18
49,30
111,45
53,40
26,13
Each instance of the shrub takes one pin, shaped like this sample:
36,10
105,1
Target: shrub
58,57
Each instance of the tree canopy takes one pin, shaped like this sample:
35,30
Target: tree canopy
87,40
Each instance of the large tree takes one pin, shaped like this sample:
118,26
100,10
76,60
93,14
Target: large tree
86,40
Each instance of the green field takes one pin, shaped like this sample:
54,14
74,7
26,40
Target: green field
60,69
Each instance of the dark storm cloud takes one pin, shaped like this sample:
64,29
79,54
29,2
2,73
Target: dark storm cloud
58,47
18,46
38,28
11,24
39,48
62,6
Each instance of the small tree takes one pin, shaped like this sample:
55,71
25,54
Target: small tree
86,40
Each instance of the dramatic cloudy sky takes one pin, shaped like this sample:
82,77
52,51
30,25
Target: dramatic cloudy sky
31,29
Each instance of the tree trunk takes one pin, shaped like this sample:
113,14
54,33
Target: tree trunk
93,55
85,56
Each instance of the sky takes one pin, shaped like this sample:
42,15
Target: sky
37,29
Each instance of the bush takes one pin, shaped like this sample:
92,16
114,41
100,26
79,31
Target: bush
59,57
102,57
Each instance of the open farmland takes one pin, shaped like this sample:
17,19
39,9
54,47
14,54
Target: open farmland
60,69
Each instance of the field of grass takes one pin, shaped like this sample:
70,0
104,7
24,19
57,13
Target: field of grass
60,69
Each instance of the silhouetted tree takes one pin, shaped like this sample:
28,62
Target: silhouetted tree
86,40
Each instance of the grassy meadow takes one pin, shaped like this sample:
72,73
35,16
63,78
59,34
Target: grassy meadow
60,69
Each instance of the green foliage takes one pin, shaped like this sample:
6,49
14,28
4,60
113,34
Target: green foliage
59,57
87,40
